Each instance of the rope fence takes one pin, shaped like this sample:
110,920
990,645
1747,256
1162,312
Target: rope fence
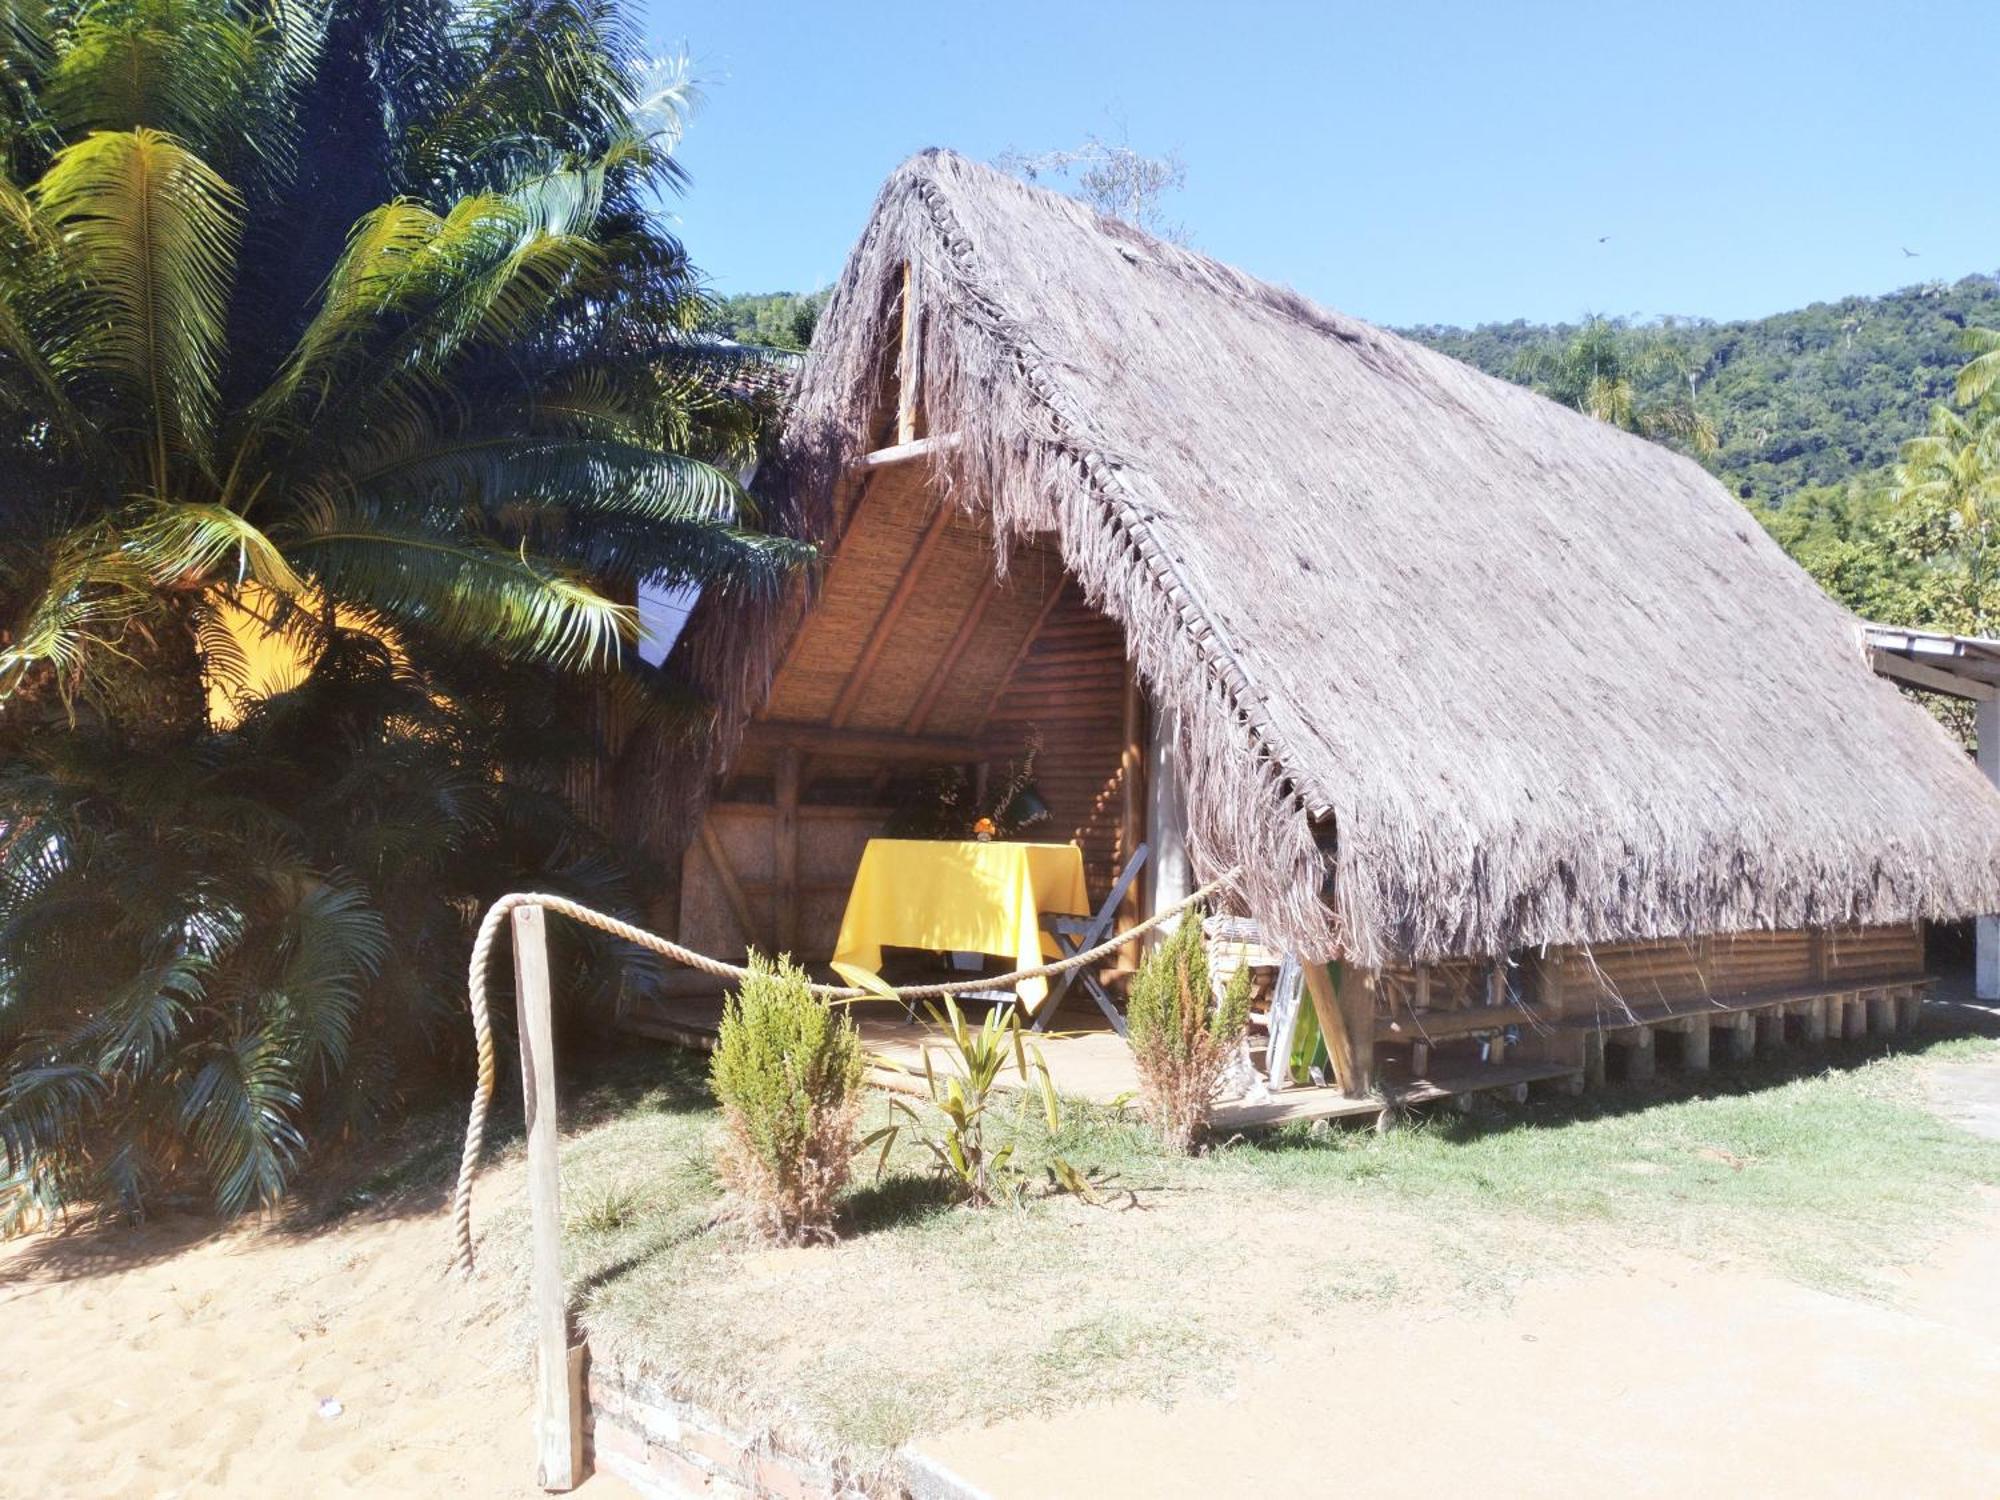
482,1020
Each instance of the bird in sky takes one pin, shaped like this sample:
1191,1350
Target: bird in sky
1909,253
1602,238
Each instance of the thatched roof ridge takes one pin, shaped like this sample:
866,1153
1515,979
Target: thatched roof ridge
1510,676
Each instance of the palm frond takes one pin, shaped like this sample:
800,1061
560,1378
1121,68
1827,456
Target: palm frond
465,590
238,1111
181,544
152,230
1981,374
220,78
330,943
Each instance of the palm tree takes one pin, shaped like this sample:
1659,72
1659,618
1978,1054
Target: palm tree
463,422
353,319
1980,375
1603,371
1948,514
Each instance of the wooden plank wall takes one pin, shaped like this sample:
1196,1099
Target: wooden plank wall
1069,688
1666,972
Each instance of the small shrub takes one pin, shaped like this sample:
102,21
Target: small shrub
1181,1039
603,1210
787,1073
980,1175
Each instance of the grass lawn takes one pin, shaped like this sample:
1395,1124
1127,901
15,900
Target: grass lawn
1826,1167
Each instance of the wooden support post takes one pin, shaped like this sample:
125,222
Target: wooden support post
557,1419
1593,1058
1131,801
1420,1059
1853,1018
1639,1054
1771,1028
1694,1051
785,851
1346,1015
1421,998
1742,1037
1881,1013
1986,930
1814,1012
1909,1008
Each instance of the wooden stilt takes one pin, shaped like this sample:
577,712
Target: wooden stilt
1771,1029
1853,1018
558,1420
1346,1016
1742,1037
1881,1013
1639,1053
1694,1051
1593,1059
1909,1009
1814,1014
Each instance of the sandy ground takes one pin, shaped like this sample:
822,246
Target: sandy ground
1658,1378
171,1362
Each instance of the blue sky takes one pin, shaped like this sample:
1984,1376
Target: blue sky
1402,162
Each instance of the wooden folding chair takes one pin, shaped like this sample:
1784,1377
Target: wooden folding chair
1075,934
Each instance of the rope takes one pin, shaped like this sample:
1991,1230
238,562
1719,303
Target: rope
482,1021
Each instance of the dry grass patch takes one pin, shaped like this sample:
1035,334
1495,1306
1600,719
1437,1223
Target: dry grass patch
925,1314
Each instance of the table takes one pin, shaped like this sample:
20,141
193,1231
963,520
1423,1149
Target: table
955,896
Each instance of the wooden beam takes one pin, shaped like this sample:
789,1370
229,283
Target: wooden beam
725,876
1351,1047
904,453
948,663
559,1457
1917,674
885,623
785,848
1021,653
864,744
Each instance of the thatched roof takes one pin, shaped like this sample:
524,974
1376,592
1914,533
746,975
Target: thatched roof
1510,676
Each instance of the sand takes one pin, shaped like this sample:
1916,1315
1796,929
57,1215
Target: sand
1658,1377
172,1361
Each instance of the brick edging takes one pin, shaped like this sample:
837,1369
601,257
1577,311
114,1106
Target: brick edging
668,1447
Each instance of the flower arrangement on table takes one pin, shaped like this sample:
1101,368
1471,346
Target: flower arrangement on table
945,803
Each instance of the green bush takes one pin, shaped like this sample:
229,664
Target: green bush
787,1073
1181,1038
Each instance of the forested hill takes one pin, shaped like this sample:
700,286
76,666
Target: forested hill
1805,398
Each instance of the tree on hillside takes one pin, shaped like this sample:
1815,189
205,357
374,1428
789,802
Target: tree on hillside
1800,400
1947,516
1599,371
354,321
770,320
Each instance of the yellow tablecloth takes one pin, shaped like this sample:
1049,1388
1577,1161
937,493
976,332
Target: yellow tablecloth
969,897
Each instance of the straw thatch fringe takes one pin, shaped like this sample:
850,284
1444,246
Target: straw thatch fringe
1529,679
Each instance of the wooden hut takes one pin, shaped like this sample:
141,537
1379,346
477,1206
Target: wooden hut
1517,721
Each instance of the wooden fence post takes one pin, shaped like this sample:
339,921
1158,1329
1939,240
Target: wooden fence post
558,1453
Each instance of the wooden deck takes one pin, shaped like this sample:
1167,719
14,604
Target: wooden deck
1096,1065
